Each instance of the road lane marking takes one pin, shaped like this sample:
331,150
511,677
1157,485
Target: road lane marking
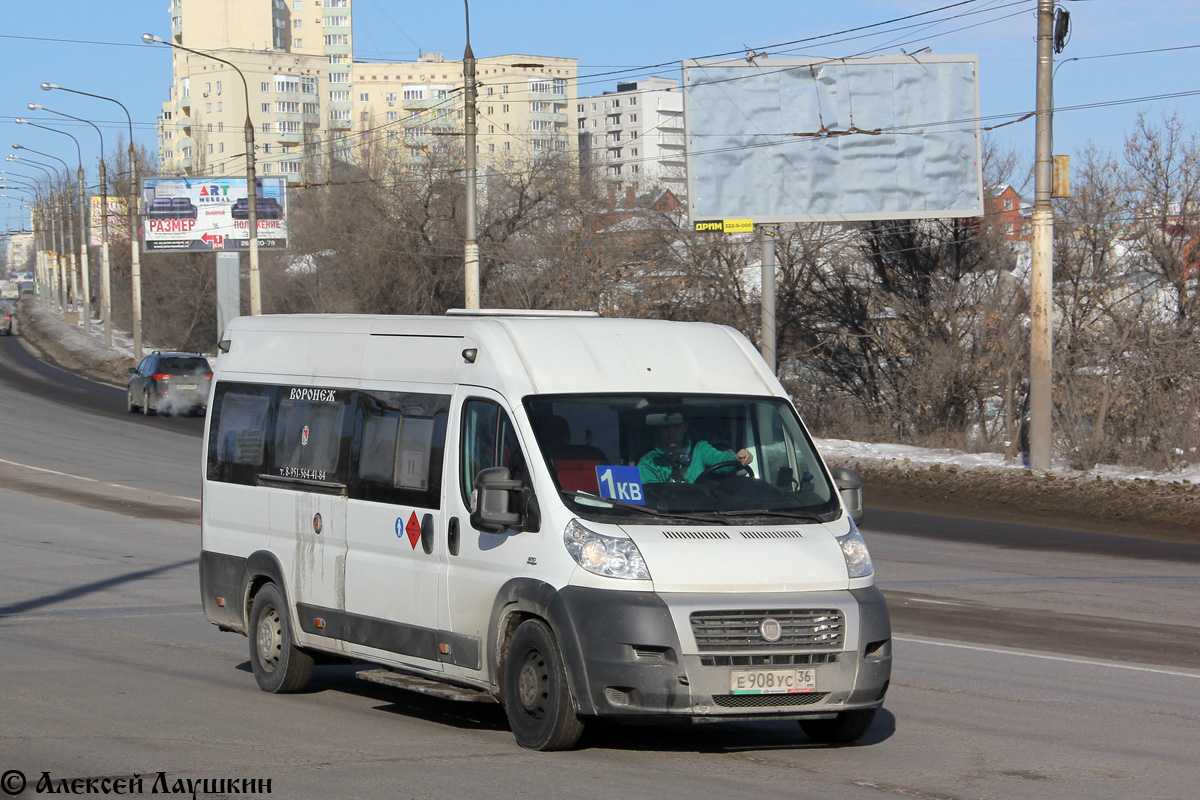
1090,662
95,480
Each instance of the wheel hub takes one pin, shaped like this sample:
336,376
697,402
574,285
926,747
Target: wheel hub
270,641
527,683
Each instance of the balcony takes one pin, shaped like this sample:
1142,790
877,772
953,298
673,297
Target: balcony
429,102
548,116
185,101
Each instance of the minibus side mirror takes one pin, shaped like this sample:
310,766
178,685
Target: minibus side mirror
496,498
849,484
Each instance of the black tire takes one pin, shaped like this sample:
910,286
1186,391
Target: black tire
848,726
537,697
147,409
279,666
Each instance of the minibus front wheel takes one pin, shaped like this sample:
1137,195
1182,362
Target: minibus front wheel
537,697
279,666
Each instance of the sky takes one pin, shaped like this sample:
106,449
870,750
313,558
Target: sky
1119,51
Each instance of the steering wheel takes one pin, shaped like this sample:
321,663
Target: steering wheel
734,464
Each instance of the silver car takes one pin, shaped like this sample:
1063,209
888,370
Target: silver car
170,383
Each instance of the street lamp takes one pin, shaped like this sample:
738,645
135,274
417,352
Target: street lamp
134,211
106,269
43,167
53,217
251,181
70,230
83,227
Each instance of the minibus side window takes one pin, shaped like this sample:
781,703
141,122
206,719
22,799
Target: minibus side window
238,432
311,439
399,448
488,440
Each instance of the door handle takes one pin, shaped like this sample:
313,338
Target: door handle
427,533
452,536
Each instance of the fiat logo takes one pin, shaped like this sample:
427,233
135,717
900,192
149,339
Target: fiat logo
770,630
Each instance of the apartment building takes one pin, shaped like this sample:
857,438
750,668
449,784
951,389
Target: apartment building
19,251
633,137
415,110
310,103
295,57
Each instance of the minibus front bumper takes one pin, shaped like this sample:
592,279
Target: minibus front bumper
636,655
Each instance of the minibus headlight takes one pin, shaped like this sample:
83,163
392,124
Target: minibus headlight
854,550
604,555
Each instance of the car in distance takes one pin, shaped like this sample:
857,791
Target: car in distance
6,322
169,383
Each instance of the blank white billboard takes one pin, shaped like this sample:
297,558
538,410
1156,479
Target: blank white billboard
784,140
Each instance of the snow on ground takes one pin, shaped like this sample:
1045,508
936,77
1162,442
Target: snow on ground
836,450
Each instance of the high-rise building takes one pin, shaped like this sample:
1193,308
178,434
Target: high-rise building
295,56
310,103
416,109
634,136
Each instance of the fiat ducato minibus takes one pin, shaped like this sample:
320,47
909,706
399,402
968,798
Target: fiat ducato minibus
577,517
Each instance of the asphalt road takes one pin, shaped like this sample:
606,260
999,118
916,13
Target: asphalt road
1029,662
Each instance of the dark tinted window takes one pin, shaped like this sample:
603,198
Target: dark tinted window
381,446
183,366
399,448
238,432
310,433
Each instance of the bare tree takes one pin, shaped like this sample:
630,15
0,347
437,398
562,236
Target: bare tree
1165,162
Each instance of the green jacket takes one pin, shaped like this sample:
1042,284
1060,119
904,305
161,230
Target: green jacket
657,465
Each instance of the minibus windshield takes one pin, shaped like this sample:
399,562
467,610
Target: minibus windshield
639,457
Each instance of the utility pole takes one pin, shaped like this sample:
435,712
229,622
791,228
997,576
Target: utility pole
766,239
471,249
1041,335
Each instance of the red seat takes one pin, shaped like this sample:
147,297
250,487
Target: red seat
575,465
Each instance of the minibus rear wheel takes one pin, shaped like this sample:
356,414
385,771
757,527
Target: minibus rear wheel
537,697
279,666
846,727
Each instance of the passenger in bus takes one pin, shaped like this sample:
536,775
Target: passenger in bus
675,458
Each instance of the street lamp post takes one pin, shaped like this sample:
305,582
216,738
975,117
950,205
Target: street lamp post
134,214
251,180
85,272
68,229
106,269
56,233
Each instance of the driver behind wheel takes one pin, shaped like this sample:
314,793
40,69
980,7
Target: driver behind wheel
676,458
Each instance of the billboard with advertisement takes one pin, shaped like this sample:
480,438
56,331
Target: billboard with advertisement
118,220
196,215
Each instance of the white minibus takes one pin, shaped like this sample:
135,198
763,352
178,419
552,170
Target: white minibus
576,517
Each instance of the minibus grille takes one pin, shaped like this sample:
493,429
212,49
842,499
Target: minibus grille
768,700
769,660
807,629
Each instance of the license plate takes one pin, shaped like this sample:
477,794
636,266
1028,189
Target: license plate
185,386
772,681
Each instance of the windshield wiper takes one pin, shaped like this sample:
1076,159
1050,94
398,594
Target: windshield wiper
773,512
652,512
